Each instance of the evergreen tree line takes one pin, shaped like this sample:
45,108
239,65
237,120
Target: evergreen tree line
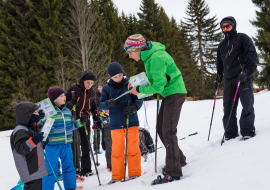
47,43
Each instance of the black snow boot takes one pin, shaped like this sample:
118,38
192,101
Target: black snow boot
166,179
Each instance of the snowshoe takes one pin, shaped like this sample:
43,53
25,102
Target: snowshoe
113,181
166,179
247,137
129,178
80,178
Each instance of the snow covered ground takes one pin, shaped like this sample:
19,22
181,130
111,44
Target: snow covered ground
236,165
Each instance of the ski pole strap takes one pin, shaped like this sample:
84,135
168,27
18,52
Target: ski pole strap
237,90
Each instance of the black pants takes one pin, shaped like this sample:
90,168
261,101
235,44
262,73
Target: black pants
33,185
245,93
168,118
108,143
85,155
96,143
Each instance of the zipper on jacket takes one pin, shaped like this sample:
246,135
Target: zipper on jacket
83,102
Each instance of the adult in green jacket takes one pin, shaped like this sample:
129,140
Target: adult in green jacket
166,79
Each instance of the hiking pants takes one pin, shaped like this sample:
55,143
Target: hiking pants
245,93
168,118
118,153
96,144
33,185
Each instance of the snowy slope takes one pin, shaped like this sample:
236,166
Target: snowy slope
236,165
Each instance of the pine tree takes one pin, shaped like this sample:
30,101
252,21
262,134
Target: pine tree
16,51
50,48
204,34
262,41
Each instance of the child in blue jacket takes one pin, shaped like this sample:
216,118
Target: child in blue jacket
116,86
60,141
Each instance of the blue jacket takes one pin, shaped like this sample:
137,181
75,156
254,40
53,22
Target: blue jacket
117,116
63,126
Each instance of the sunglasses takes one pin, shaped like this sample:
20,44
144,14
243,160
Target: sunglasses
226,26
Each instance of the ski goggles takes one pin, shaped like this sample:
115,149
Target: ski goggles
226,26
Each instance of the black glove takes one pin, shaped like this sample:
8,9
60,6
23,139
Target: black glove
217,81
41,114
37,138
111,103
96,118
242,76
129,110
45,143
98,124
103,145
83,118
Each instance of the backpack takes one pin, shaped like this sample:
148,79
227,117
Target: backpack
146,142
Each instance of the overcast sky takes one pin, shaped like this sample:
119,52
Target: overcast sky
241,10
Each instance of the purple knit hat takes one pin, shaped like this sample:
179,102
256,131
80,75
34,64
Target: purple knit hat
135,42
54,92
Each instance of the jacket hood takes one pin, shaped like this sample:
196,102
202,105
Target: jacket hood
156,46
83,74
24,111
230,18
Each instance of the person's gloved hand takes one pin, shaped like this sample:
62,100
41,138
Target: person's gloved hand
94,126
96,118
129,110
103,145
41,114
38,138
242,76
217,81
45,143
83,118
111,103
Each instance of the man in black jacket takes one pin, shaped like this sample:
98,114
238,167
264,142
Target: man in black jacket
236,60
85,104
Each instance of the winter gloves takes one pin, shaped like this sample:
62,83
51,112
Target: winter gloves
111,103
83,118
129,110
37,138
217,81
41,114
242,76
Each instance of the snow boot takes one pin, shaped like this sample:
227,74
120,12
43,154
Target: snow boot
86,173
166,179
113,181
247,137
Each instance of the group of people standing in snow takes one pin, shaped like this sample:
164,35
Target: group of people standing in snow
236,60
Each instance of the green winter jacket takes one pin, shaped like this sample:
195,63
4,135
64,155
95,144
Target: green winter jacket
165,78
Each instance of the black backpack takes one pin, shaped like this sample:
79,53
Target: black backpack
146,142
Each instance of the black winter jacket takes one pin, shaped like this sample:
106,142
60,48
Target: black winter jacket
85,98
235,51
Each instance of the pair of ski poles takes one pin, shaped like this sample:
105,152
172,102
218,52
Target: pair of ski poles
237,88
88,140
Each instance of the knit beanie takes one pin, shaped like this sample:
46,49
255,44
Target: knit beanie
54,92
114,68
100,84
89,76
135,42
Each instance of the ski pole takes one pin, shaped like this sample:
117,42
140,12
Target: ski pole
96,145
222,141
91,151
122,95
127,122
213,113
52,171
156,134
74,132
